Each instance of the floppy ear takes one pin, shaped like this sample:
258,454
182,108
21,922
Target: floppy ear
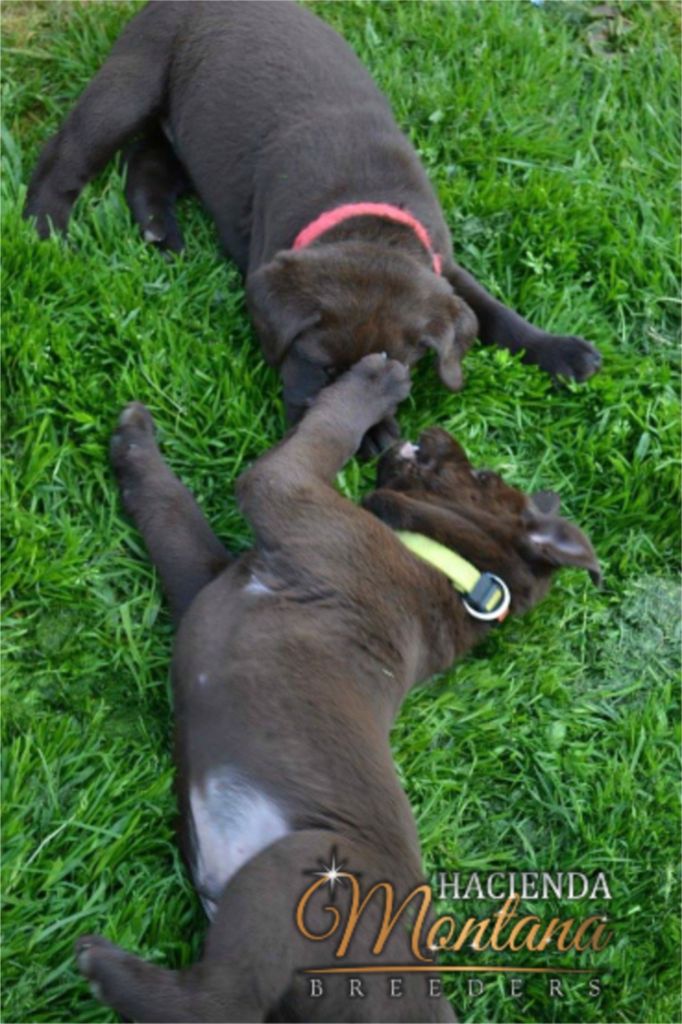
450,338
555,541
546,502
279,309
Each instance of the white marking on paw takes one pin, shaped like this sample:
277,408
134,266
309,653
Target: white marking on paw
202,678
231,821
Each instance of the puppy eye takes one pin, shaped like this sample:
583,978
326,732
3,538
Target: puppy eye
484,476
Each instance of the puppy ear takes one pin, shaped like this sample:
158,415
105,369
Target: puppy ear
450,338
557,542
546,502
279,308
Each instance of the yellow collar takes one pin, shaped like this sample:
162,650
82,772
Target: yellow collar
484,595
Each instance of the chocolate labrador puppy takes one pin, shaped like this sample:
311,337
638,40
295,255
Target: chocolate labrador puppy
290,664
317,195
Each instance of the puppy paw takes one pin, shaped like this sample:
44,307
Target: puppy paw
384,383
114,974
49,210
86,949
162,231
133,448
567,357
133,435
92,955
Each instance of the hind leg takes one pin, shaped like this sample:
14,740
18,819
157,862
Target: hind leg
181,544
264,940
124,95
138,990
155,179
265,937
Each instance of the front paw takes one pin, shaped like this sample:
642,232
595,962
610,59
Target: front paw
133,449
49,210
133,436
161,230
568,357
382,384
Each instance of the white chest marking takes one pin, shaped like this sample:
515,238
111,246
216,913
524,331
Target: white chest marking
256,586
231,822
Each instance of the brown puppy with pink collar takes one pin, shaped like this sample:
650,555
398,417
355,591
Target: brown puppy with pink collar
290,664
268,115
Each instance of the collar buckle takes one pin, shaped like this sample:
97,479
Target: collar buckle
489,598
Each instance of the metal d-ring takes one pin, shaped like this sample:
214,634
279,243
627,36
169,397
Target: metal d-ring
496,613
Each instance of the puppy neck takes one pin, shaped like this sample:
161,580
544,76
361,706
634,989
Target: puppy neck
376,223
485,596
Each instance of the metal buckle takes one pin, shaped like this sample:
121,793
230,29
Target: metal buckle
500,610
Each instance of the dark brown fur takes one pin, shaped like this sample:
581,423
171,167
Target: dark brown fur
273,120
293,687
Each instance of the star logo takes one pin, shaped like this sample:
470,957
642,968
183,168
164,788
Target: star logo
332,872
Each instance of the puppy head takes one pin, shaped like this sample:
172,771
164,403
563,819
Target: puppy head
321,309
432,488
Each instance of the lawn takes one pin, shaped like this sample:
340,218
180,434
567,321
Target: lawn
551,133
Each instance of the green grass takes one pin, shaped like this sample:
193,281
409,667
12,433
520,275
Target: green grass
553,747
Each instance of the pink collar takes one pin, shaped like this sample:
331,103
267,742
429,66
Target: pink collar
331,218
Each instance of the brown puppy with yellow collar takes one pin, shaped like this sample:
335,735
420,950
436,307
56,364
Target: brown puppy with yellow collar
290,664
